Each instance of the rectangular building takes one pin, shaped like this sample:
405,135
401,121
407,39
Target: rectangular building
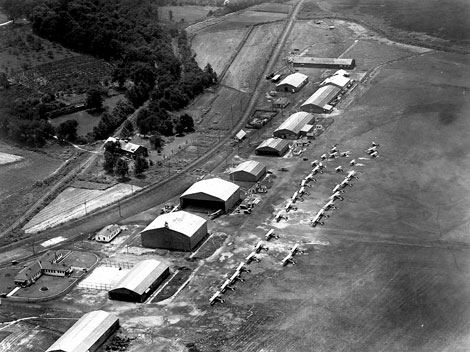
323,62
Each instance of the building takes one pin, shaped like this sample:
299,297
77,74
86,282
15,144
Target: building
339,81
108,233
213,194
129,149
281,103
291,127
178,230
273,146
241,135
318,62
319,102
250,171
87,334
51,263
292,83
306,130
342,73
140,282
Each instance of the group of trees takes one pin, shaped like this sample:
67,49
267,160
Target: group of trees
109,121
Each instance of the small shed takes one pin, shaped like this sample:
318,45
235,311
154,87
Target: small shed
281,103
108,233
240,135
249,171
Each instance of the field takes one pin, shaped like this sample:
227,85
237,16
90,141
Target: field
251,57
187,14
20,49
73,203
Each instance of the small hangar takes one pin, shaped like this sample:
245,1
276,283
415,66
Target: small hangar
291,127
178,230
292,83
140,282
213,193
339,81
319,102
319,62
87,334
250,171
273,147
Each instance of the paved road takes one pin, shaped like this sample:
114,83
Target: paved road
171,187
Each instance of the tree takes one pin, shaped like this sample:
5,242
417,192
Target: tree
179,128
127,129
109,161
170,15
122,168
156,141
140,165
187,122
112,147
94,99
67,130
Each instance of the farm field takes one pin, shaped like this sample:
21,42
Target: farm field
73,203
186,14
217,48
272,7
251,58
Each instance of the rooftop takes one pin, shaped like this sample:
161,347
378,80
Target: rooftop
274,143
250,166
295,79
337,80
295,122
322,96
180,221
322,61
215,187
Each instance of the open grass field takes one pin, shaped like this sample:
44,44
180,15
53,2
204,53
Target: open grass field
272,7
187,14
252,57
217,48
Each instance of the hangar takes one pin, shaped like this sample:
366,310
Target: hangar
319,102
291,127
337,80
140,282
87,334
178,230
250,171
273,146
320,62
292,83
213,193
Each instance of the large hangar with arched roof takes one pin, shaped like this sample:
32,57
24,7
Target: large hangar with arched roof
140,282
179,230
213,194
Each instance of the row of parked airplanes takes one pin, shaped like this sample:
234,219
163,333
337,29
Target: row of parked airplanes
230,281
337,194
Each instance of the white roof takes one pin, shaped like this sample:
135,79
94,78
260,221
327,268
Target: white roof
337,80
214,187
295,80
85,332
342,73
274,143
142,276
322,96
295,122
180,221
241,134
250,166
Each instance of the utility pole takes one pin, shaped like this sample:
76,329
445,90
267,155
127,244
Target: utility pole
84,203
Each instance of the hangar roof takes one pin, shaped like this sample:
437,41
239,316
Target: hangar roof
322,61
322,96
180,221
274,143
142,276
337,80
295,122
295,80
214,187
85,332
250,166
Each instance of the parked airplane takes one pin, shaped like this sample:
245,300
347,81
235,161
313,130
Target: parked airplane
345,154
345,183
333,155
280,217
352,162
371,150
242,268
252,257
317,169
260,246
314,163
310,177
226,285
288,260
236,277
334,149
217,297
351,174
375,144
329,205
336,195
270,235
374,154
295,249
317,219
339,169
304,182
323,157
303,191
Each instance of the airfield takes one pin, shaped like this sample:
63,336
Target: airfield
389,270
